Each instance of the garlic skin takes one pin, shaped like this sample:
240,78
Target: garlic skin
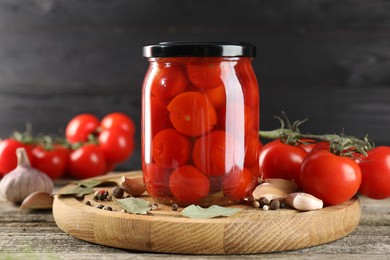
24,180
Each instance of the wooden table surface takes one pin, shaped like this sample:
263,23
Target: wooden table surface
35,235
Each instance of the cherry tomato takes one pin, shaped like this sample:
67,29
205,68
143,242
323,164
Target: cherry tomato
252,149
237,184
159,116
156,180
80,127
8,159
192,114
170,148
237,119
86,162
205,75
217,152
169,81
331,178
188,184
376,173
308,144
217,96
52,162
321,146
116,144
247,78
280,160
118,120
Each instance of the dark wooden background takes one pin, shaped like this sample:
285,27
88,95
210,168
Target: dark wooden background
325,60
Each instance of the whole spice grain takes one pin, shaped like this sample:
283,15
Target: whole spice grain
274,204
263,201
256,204
100,206
154,206
88,203
107,208
175,207
118,192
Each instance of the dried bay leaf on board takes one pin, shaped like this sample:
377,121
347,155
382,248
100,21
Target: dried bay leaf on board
198,212
75,191
95,183
134,205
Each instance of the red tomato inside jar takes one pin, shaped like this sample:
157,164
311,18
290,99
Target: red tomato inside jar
200,123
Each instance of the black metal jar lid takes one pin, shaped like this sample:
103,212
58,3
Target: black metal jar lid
199,49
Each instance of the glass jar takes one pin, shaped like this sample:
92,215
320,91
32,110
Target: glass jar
200,123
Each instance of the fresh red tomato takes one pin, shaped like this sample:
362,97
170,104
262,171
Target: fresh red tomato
307,144
238,183
118,120
116,144
86,162
376,173
80,127
192,114
205,75
321,146
8,159
280,160
188,184
331,178
170,81
170,148
52,162
217,152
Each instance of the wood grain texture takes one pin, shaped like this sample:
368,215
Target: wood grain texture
166,231
325,60
33,235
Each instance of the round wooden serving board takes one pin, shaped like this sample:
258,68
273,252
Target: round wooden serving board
163,230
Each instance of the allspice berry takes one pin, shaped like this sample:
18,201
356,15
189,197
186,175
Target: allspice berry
274,204
118,192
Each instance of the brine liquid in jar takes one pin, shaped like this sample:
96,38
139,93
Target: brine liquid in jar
200,123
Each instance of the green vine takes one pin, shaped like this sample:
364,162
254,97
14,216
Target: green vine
340,144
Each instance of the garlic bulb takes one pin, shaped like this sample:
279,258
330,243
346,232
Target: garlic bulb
24,180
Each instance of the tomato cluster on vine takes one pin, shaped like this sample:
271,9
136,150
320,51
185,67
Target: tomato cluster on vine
91,147
334,178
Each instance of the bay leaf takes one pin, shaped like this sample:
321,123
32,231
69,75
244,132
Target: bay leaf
134,205
76,191
94,183
214,211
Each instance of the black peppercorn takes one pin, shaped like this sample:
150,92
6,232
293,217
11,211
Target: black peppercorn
175,207
263,201
88,203
154,206
100,206
107,208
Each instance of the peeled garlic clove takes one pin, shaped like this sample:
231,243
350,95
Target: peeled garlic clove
24,180
268,191
304,201
38,200
132,186
288,186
